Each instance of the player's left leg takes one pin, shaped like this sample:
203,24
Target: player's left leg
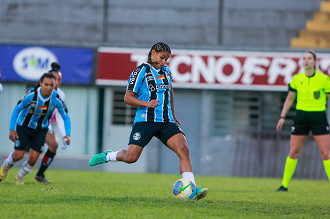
178,144
52,142
323,142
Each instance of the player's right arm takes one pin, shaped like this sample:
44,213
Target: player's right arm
135,81
18,108
130,99
286,107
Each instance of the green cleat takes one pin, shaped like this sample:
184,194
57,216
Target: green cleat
201,193
99,158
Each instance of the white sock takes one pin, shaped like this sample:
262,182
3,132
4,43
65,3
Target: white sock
25,169
112,156
9,160
188,175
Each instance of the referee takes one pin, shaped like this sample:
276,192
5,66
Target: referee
311,89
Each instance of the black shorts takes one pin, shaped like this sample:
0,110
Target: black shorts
142,132
35,138
310,121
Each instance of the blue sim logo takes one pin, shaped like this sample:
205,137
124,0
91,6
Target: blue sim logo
30,63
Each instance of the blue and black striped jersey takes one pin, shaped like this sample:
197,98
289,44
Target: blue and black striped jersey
152,84
35,110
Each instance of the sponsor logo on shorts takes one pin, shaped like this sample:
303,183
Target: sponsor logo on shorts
292,129
137,136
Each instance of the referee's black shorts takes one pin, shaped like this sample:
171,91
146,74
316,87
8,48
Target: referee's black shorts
305,121
142,132
35,138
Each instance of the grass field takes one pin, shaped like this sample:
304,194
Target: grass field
88,194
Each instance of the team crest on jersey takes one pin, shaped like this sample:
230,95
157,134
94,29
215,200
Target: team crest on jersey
143,116
137,136
317,94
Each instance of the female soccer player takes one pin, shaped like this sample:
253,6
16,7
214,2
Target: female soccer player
311,89
155,116
31,117
51,138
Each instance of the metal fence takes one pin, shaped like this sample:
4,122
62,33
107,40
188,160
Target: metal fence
263,154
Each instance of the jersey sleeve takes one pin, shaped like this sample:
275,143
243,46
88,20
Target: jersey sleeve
136,78
64,113
327,85
293,84
60,123
23,102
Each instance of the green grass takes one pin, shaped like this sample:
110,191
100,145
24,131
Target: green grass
88,194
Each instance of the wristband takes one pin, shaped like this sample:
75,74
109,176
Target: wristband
282,117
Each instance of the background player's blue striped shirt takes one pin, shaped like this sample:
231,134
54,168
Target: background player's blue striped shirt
35,110
152,84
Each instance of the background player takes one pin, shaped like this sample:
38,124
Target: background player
51,138
31,117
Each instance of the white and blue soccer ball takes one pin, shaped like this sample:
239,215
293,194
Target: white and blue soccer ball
184,189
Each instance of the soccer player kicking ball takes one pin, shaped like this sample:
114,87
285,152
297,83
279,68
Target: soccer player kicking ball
155,116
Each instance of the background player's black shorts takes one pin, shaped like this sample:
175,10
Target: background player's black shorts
35,138
306,121
142,132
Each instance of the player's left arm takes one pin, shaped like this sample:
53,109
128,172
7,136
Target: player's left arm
172,106
66,119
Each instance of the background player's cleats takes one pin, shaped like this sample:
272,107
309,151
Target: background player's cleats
42,179
19,180
3,171
201,193
281,189
100,158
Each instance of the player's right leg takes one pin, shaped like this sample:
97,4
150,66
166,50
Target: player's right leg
296,143
140,136
130,155
9,162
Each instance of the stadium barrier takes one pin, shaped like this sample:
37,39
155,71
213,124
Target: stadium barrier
263,154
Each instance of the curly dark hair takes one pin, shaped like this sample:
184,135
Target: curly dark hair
159,47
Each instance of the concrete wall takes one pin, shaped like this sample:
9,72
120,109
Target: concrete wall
185,23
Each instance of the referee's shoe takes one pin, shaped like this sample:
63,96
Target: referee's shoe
281,189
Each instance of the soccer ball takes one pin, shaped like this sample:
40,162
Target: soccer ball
184,189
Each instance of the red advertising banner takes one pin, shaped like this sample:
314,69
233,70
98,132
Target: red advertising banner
210,69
